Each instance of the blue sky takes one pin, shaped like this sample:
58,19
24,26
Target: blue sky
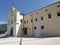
24,6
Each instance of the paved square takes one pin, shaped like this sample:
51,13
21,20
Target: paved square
30,41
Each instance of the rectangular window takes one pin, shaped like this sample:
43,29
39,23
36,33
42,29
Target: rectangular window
31,20
58,6
35,27
42,18
49,15
58,14
42,27
46,10
36,19
21,20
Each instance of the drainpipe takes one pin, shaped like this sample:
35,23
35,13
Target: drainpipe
23,22
32,25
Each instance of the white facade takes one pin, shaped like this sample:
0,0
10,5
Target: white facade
43,22
14,23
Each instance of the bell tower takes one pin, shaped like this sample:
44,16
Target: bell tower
15,22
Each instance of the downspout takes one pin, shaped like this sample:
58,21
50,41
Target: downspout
23,22
32,25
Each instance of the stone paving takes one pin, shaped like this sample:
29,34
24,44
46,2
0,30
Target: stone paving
9,41
30,41
41,41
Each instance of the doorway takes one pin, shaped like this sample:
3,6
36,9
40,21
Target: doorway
25,31
11,32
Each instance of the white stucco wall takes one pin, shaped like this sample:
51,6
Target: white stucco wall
19,24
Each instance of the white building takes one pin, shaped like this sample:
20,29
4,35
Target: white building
14,24
42,22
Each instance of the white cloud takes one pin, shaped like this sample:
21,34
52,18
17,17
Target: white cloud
3,22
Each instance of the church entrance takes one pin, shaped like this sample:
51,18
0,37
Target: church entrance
11,32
